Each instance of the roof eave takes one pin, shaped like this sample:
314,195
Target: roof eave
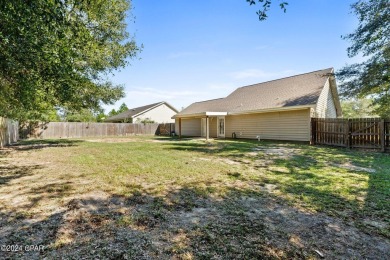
256,111
201,114
275,109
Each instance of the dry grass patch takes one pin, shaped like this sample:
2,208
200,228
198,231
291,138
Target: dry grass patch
144,197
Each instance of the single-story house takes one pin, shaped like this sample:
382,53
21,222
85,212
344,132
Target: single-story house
278,109
161,112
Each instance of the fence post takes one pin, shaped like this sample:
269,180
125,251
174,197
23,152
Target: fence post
382,133
348,134
179,128
313,132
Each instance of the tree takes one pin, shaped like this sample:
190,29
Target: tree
356,108
100,117
266,4
370,78
57,54
122,108
84,115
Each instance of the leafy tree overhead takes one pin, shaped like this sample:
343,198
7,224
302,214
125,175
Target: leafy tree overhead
266,5
58,54
370,78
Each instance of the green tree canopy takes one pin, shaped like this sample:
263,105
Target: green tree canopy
113,112
357,108
371,39
121,109
83,115
59,54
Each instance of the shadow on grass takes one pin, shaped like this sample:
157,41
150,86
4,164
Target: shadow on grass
187,222
9,172
25,145
354,194
233,148
13,172
377,202
192,222
314,177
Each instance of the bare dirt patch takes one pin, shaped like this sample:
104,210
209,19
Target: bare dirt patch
283,152
350,166
112,140
44,200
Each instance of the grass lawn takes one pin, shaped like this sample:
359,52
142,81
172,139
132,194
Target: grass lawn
155,197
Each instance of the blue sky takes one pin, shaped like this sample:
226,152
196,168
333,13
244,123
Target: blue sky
199,50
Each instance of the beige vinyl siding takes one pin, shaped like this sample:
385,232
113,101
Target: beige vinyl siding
160,114
189,127
288,125
213,127
325,105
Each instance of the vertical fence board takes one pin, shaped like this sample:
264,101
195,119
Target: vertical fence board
368,133
82,130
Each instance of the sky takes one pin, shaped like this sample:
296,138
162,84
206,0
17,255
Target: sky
200,50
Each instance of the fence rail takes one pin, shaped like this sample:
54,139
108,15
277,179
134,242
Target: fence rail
9,131
367,133
82,130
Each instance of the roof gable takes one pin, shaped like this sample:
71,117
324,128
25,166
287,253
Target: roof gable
132,112
299,90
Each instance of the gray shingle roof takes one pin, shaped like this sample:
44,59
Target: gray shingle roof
299,90
134,111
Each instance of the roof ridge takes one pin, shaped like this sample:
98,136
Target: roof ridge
208,100
145,105
130,110
282,78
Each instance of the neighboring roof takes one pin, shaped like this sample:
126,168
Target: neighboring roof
132,112
300,90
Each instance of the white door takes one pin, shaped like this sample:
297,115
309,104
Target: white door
203,127
221,126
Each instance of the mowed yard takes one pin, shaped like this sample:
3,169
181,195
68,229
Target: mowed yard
154,197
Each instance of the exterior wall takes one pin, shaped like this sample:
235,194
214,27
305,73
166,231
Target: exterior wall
325,105
189,127
192,127
213,127
287,125
160,114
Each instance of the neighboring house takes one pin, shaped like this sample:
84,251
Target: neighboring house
279,109
161,112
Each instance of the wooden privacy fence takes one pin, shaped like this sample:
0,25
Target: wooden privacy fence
81,130
367,133
9,131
